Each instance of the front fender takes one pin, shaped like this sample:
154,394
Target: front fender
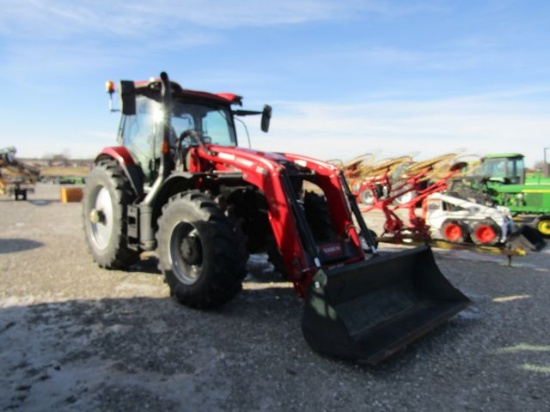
177,182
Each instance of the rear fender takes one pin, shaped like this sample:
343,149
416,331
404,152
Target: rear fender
125,160
118,153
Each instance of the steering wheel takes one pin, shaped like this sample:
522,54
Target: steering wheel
194,136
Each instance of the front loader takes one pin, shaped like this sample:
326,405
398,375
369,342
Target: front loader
179,185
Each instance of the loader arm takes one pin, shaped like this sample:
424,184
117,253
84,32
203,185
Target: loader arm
269,173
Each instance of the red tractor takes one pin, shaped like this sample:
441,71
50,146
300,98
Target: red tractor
179,184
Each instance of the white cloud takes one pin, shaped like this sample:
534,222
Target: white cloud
135,18
63,35
468,125
42,39
475,125
139,17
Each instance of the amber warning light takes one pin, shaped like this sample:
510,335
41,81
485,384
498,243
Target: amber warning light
110,88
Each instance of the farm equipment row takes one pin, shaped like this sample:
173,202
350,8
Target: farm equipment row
436,211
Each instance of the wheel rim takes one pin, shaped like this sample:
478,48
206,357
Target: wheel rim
544,227
366,197
101,218
186,253
405,198
453,232
485,233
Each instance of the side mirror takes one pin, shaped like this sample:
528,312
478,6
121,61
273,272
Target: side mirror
266,118
128,97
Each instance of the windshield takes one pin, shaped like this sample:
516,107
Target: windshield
142,132
517,167
212,123
510,168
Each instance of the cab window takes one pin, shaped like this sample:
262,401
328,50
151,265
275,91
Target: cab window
141,133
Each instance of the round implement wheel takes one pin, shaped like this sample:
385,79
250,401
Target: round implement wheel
104,206
543,225
454,231
202,256
405,197
366,197
485,233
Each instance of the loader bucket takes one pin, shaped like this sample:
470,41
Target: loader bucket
369,310
526,238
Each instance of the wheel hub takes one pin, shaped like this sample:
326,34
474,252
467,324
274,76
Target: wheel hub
544,227
486,234
101,217
97,216
191,250
453,232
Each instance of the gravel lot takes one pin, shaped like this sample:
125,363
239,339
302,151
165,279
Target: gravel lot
76,337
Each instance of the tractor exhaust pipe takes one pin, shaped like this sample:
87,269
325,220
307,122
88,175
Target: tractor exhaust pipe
147,235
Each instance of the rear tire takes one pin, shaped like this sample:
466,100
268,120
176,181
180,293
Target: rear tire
104,207
275,257
485,233
201,254
318,217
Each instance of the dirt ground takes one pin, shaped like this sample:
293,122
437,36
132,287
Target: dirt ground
76,337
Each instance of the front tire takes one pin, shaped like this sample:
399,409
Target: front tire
542,224
104,207
485,233
201,254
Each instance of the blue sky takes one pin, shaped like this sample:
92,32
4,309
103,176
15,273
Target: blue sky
344,77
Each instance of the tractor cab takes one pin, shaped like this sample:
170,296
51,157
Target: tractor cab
143,122
148,133
503,168
142,132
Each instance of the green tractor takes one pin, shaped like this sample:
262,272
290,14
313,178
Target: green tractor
526,194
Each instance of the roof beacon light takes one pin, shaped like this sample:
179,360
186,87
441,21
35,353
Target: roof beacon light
110,87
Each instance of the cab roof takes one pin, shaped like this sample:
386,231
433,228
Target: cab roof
503,156
152,88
